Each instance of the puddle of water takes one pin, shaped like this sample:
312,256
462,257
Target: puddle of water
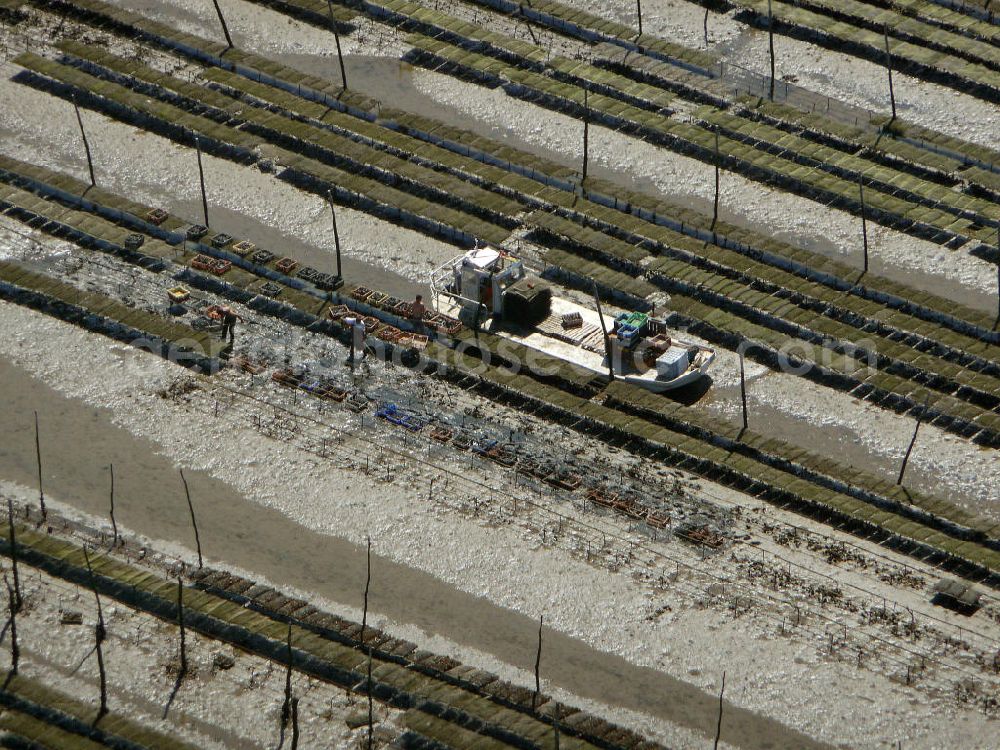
79,442
390,81
841,442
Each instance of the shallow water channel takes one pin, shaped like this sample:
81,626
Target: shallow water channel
79,442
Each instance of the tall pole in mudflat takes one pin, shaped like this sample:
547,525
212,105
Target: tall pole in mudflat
607,338
194,523
38,455
770,43
12,535
180,624
286,707
743,390
368,583
114,524
888,66
638,12
336,235
86,144
100,634
715,209
14,605
336,38
201,180
538,665
913,440
864,218
718,726
222,20
586,134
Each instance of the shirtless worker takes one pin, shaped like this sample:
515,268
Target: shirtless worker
417,310
229,318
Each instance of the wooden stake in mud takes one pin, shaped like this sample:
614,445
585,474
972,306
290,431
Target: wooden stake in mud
998,273
538,666
336,38
638,12
295,723
100,633
225,28
38,456
286,707
13,553
555,727
913,440
368,583
706,27
86,145
194,523
864,218
14,606
586,135
201,179
114,524
715,210
607,338
180,624
770,43
336,234
371,707
888,67
743,390
718,726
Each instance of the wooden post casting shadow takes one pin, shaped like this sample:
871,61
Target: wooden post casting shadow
295,723
12,534
864,220
201,180
180,624
100,633
225,28
38,456
194,523
770,43
336,38
286,707
538,665
336,234
368,583
15,650
114,524
638,12
743,392
86,145
888,67
718,726
715,209
586,135
607,339
913,440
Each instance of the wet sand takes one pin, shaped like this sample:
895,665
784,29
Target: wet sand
79,442
355,270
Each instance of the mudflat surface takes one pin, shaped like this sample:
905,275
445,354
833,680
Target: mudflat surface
79,443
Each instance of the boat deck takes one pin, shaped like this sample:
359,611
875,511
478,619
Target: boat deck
583,345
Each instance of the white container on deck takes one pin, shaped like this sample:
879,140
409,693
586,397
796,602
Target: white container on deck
672,362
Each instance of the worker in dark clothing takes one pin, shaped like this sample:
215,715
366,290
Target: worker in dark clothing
229,318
